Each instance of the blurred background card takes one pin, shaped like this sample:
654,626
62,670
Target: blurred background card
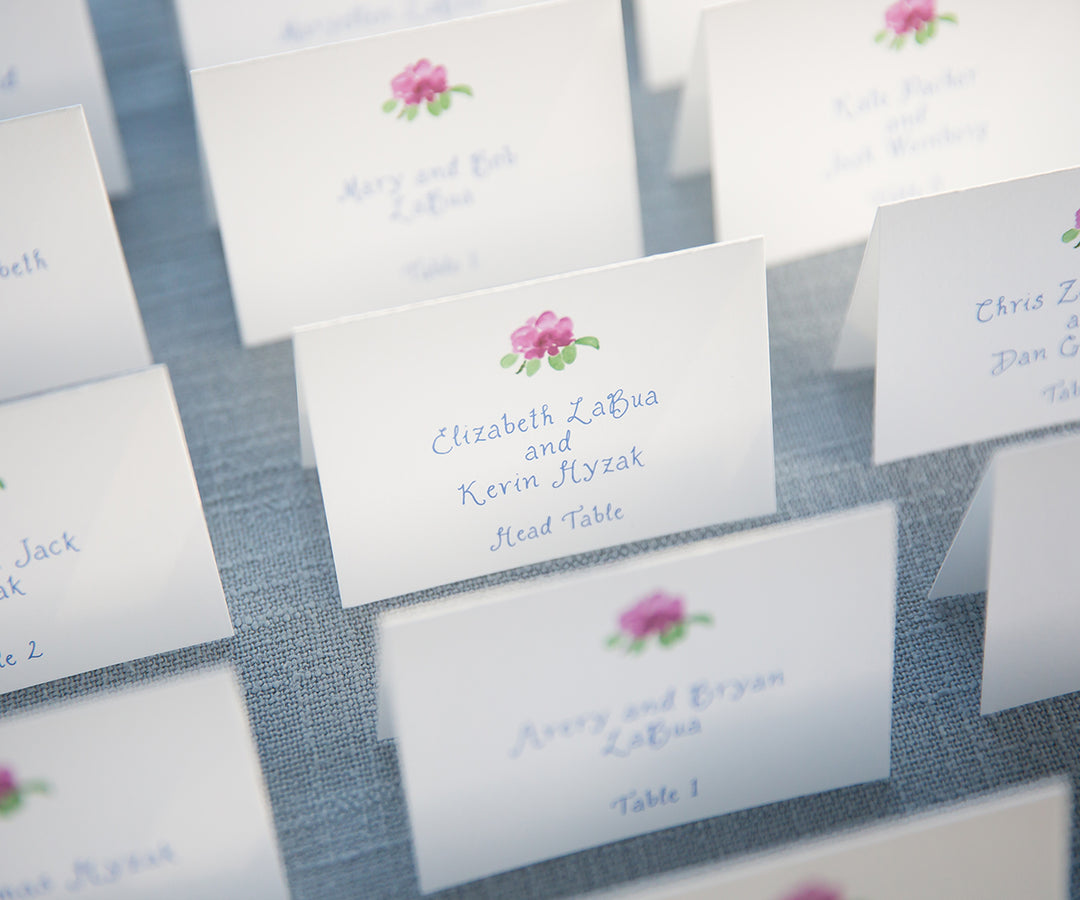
371,173
67,307
153,792
49,58
817,113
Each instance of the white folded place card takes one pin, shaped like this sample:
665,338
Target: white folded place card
104,552
421,163
154,792
817,113
475,434
1007,846
48,59
67,308
715,677
665,38
1016,542
969,302
214,33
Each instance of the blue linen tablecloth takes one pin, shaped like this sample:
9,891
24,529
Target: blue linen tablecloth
308,666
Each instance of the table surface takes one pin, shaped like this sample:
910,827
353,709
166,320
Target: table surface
307,665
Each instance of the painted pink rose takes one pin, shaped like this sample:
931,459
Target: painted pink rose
546,334
815,892
1078,218
7,783
653,615
905,16
419,83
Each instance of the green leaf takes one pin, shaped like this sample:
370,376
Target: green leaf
444,99
569,354
701,619
920,35
34,787
931,28
588,342
462,89
881,35
636,646
10,802
532,367
667,638
1071,235
948,17
507,361
556,363
390,105
434,108
614,640
412,113
897,42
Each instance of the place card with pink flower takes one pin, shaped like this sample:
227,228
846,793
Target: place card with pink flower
147,792
371,173
595,706
809,127
480,433
967,306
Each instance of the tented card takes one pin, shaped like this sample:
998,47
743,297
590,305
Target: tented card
104,552
712,678
970,302
48,59
421,163
665,38
1017,543
154,792
67,308
214,33
1010,845
465,436
817,113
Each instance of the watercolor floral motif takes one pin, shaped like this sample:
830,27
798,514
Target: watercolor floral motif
422,84
661,616
13,793
1073,233
549,336
917,17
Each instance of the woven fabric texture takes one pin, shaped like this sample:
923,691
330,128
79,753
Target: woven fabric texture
308,666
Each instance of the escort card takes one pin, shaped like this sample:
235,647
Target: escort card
67,308
720,676
154,792
214,33
975,300
49,58
421,163
1016,542
665,38
1014,844
104,553
818,113
476,434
